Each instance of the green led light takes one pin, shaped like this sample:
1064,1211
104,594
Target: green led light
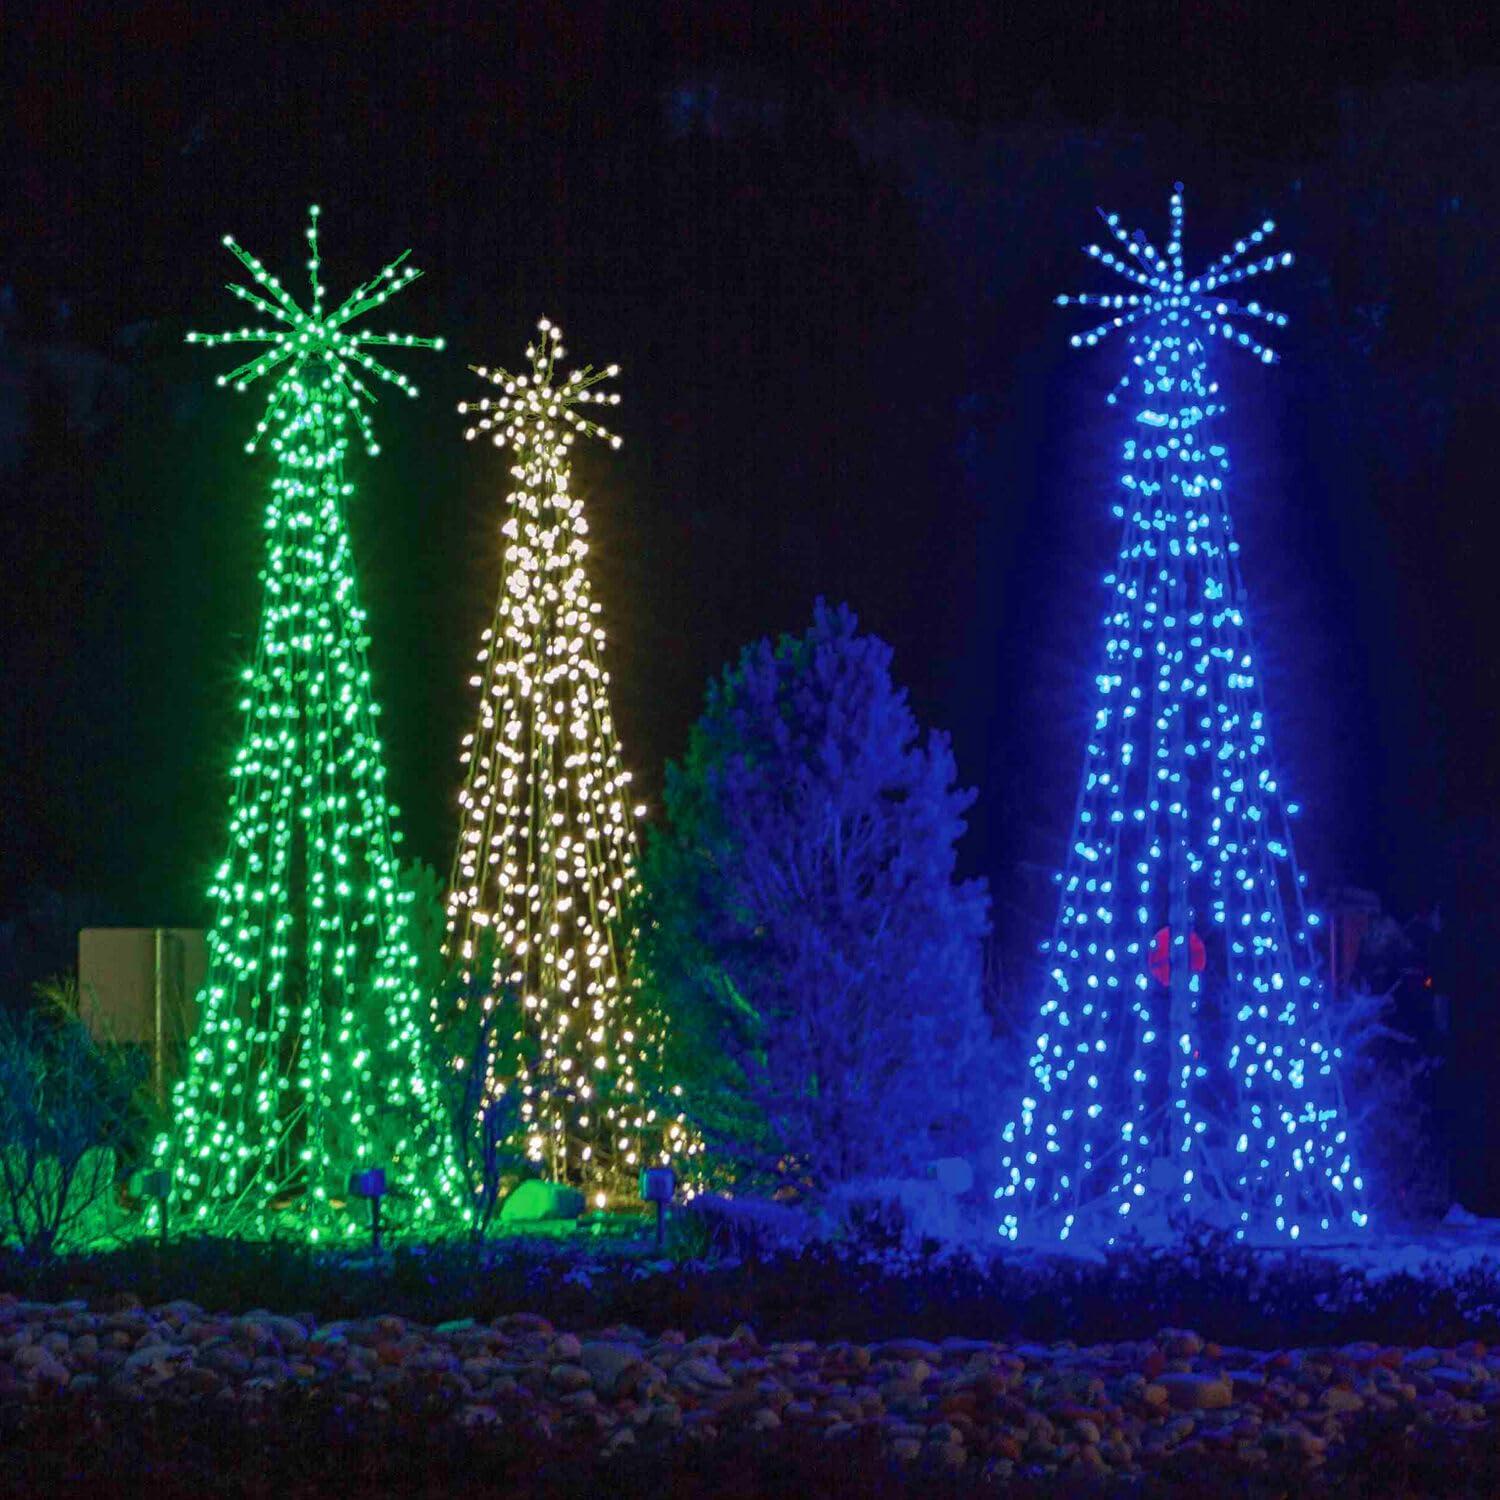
312,1054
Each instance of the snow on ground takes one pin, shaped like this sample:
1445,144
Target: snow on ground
1459,1242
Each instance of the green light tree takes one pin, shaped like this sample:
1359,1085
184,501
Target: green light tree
545,863
311,1056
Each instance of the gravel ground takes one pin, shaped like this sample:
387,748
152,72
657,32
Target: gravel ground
1116,1409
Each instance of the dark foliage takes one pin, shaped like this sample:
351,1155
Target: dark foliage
67,1112
1229,1294
472,1047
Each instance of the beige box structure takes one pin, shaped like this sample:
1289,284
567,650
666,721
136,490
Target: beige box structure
140,985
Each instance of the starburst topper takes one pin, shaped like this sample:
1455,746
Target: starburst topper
316,338
534,411
1168,300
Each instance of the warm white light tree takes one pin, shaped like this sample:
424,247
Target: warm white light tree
545,862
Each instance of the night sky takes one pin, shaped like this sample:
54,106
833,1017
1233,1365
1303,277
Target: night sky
825,255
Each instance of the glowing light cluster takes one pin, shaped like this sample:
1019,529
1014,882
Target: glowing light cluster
313,348
546,853
311,1054
1180,1063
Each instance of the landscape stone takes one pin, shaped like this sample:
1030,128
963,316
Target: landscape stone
703,1372
569,1377
607,1362
535,1201
1195,1391
1109,1409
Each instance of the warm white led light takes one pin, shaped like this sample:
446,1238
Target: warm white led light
555,851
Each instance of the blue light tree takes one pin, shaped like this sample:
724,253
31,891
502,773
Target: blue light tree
1180,1067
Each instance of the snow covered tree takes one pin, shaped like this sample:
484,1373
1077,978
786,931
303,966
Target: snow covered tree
821,961
1183,1063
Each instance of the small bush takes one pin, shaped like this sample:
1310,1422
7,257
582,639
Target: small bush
821,1290
474,1051
66,1105
894,1213
744,1228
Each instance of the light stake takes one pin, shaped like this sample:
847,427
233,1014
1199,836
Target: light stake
658,1186
369,1183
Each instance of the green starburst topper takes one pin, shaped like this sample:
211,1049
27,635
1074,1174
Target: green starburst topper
316,347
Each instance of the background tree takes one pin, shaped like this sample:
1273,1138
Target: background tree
1393,1036
821,963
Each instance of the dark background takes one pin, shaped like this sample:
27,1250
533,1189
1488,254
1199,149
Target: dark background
823,242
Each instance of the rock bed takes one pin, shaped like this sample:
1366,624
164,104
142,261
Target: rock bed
1114,1408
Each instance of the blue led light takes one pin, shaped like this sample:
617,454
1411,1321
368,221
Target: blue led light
1181,799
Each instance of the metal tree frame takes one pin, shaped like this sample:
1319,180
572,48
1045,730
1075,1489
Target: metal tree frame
545,858
311,1057
1213,1094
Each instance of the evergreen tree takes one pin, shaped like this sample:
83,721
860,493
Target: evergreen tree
821,962
1182,1063
311,1052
